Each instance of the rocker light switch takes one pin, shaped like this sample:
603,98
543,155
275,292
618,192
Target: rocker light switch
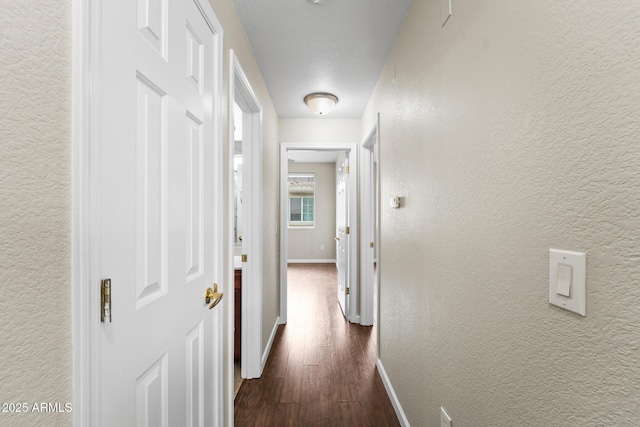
564,276
567,280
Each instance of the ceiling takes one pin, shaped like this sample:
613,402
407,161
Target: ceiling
335,46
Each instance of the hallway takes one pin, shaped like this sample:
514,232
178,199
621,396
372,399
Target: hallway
321,370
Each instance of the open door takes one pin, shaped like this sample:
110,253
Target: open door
369,214
160,215
343,231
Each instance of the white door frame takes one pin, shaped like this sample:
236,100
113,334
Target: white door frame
86,212
240,92
368,228
353,218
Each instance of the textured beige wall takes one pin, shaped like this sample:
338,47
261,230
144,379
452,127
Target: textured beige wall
511,130
305,243
35,218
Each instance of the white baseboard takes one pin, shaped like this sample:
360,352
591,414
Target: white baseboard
267,349
392,395
311,261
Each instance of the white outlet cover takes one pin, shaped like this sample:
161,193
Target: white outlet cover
578,261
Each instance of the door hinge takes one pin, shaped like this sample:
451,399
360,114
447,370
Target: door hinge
346,292
244,257
105,301
346,230
371,244
346,170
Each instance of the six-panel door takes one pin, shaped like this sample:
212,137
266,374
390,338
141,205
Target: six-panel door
157,215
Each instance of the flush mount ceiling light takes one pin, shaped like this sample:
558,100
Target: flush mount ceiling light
320,103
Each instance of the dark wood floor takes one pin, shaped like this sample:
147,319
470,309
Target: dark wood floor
321,370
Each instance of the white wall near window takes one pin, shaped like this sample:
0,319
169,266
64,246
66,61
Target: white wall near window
316,243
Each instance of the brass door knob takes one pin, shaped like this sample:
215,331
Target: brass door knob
213,296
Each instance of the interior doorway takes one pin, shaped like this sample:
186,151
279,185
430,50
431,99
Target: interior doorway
245,231
238,229
369,223
352,276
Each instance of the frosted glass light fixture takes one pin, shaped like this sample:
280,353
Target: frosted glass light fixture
320,103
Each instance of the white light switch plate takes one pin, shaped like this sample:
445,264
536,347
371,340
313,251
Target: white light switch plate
578,263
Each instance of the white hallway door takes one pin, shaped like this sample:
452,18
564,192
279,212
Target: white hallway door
161,356
342,231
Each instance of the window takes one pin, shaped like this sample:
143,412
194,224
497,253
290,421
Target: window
301,199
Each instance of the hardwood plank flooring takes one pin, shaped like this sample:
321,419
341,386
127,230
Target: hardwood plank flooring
321,370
